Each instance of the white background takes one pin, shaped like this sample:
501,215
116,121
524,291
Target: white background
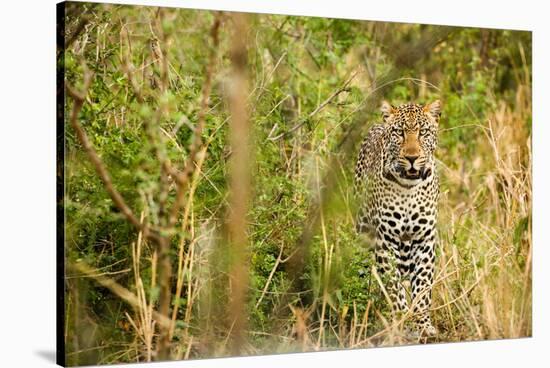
27,179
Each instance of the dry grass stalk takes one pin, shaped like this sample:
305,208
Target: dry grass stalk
145,325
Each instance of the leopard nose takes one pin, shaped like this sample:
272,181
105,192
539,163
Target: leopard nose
411,159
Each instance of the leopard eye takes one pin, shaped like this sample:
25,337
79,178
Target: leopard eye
424,131
399,132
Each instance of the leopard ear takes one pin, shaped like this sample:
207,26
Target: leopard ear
434,110
387,110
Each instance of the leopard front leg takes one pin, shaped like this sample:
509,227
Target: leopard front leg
422,282
387,266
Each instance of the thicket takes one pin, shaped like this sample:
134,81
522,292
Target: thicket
154,92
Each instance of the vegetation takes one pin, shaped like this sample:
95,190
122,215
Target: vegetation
212,211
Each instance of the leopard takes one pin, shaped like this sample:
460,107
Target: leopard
397,187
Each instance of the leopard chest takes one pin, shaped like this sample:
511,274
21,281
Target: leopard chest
406,215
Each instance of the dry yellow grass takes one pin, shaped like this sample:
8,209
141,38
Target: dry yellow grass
221,300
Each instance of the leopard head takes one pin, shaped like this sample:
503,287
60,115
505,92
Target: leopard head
411,139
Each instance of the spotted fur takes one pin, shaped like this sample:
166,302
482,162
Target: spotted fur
398,189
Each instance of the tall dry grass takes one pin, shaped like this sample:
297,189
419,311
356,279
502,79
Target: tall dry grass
483,273
483,289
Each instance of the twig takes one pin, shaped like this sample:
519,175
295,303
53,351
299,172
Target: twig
464,293
277,262
111,273
342,88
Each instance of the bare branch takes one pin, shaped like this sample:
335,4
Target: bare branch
115,288
182,178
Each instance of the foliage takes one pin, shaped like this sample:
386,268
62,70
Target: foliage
295,64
